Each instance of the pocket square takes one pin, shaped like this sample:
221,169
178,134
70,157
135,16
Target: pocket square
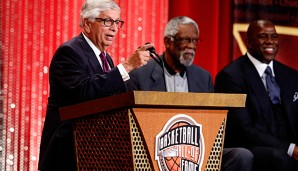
295,96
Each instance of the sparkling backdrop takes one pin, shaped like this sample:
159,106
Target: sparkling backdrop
31,30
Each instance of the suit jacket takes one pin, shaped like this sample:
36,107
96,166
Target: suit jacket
252,125
75,76
150,77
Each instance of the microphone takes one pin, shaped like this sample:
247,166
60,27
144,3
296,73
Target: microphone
152,50
157,58
159,61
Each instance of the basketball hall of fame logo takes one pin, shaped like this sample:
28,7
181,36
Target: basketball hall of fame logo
180,145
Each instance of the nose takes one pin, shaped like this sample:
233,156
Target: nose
191,45
270,40
114,27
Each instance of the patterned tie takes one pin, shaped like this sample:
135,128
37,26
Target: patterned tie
105,65
272,86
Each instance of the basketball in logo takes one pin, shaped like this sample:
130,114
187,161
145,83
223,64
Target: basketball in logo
179,146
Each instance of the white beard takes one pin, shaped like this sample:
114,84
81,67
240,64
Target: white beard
189,60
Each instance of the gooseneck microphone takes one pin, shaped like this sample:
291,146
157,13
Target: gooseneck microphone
157,58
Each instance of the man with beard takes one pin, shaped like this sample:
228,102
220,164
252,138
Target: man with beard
175,72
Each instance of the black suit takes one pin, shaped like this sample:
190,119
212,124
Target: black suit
75,76
253,126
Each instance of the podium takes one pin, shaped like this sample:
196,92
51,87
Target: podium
148,130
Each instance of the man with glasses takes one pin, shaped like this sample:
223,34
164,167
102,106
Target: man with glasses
82,70
268,125
177,73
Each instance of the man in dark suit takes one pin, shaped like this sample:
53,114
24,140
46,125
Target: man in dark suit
78,72
174,72
268,124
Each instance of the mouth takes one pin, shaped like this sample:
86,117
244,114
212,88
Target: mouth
109,37
269,50
189,53
188,57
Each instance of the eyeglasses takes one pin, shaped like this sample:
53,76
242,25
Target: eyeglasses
187,40
108,22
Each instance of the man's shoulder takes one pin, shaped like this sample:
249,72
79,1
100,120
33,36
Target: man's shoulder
197,68
149,66
285,67
237,64
74,40
198,72
236,70
75,44
146,69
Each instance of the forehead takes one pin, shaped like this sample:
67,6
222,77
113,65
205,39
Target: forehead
267,30
264,27
114,14
187,30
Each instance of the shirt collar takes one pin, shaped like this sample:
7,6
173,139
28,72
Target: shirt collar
172,72
93,47
260,66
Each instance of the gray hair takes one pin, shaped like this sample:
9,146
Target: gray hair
92,8
173,25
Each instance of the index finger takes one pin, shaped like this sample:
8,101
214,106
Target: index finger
146,46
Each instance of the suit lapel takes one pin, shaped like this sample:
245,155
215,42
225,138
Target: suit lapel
90,55
93,60
193,84
283,81
157,78
190,81
110,61
258,90
286,94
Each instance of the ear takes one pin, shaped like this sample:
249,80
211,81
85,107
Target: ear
166,41
87,25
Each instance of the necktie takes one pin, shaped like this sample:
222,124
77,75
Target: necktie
272,87
105,65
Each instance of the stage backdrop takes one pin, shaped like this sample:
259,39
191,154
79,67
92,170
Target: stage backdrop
31,30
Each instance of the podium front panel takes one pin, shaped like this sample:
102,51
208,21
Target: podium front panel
125,139
152,120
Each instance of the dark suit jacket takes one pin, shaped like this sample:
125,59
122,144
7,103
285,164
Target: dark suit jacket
252,126
75,76
150,77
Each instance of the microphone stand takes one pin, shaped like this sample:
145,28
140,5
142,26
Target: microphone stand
158,60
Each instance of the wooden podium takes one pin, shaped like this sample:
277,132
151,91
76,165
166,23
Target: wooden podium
147,130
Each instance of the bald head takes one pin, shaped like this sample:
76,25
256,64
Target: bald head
256,26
